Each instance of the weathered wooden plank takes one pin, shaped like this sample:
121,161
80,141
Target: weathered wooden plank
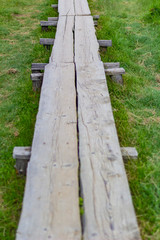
51,202
111,65
108,208
86,45
82,8
114,71
66,8
46,41
63,44
48,23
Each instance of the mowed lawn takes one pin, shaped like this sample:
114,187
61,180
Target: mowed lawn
134,27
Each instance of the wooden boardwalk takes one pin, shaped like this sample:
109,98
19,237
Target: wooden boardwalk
75,135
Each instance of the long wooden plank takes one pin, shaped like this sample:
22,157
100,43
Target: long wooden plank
86,44
82,8
66,8
108,208
51,202
62,50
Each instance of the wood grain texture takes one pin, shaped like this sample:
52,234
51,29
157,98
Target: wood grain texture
62,50
66,8
86,45
82,8
108,208
51,203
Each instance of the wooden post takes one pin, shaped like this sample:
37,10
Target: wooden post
22,156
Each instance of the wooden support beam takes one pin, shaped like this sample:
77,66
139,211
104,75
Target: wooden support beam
46,24
46,41
96,17
105,43
37,67
114,71
37,79
111,65
129,153
115,74
54,6
95,23
23,154
52,18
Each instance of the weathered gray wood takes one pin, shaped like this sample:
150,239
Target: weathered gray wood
36,76
95,23
117,78
37,79
54,5
46,41
24,153
48,23
51,202
111,65
52,18
37,67
22,156
86,48
96,17
66,8
114,71
63,44
81,8
108,208
129,153
105,43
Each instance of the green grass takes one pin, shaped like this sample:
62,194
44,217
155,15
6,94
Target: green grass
19,40
134,27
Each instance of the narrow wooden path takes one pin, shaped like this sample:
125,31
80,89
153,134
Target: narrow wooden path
75,134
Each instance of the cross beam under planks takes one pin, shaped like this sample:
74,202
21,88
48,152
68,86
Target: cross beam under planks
50,207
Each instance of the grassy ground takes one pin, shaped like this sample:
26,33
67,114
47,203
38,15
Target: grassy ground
19,47
134,29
